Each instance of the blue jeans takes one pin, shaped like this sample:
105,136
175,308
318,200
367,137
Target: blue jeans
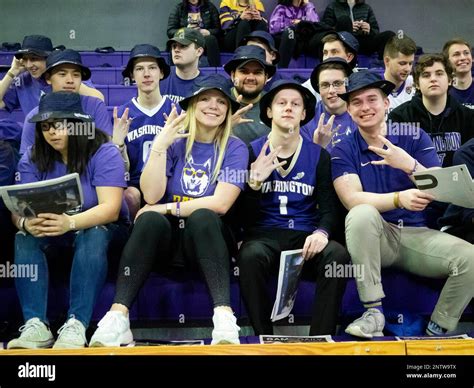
88,272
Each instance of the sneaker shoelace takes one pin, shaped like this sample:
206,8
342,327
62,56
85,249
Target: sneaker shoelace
31,328
71,330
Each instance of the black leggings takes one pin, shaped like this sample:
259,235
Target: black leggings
259,258
205,239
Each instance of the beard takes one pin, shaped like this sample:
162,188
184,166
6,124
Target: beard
248,95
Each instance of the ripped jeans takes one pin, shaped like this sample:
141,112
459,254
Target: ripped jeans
88,272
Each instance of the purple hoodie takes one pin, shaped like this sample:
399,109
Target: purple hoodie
282,16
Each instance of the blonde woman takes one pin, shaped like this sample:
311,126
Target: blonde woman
190,180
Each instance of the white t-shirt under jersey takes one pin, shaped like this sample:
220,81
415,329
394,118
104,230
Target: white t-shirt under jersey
403,94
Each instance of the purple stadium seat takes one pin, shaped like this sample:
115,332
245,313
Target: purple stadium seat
296,74
6,58
165,55
365,61
226,57
208,70
119,94
311,62
93,59
183,294
106,75
297,63
221,71
104,89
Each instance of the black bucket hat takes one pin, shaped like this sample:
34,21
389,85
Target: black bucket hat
317,70
244,54
186,36
39,45
66,56
347,39
265,37
215,81
146,50
365,79
308,99
60,105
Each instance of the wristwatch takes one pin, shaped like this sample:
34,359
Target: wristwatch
168,208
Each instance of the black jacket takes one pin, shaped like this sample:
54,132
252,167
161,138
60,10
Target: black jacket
361,11
179,18
448,130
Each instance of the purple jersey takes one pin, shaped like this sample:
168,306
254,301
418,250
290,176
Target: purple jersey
105,168
25,92
352,156
91,105
145,125
176,88
189,179
288,200
344,120
465,97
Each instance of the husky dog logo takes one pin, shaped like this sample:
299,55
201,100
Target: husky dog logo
195,178
298,176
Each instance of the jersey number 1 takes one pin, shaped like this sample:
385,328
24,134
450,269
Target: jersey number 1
283,201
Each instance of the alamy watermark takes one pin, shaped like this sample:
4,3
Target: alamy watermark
32,371
404,129
345,271
11,270
72,128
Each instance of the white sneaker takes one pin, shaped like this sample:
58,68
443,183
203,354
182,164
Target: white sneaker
225,330
34,335
369,325
112,330
71,335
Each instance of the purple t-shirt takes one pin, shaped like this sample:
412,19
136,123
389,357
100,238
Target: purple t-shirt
192,178
176,88
344,120
25,92
352,156
90,105
465,97
105,168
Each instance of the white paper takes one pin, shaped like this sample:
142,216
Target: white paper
451,184
291,264
59,195
431,338
288,339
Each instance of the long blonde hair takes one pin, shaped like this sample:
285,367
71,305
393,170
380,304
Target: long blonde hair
222,136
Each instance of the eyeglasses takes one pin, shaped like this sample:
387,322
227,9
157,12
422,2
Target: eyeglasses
335,85
56,125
